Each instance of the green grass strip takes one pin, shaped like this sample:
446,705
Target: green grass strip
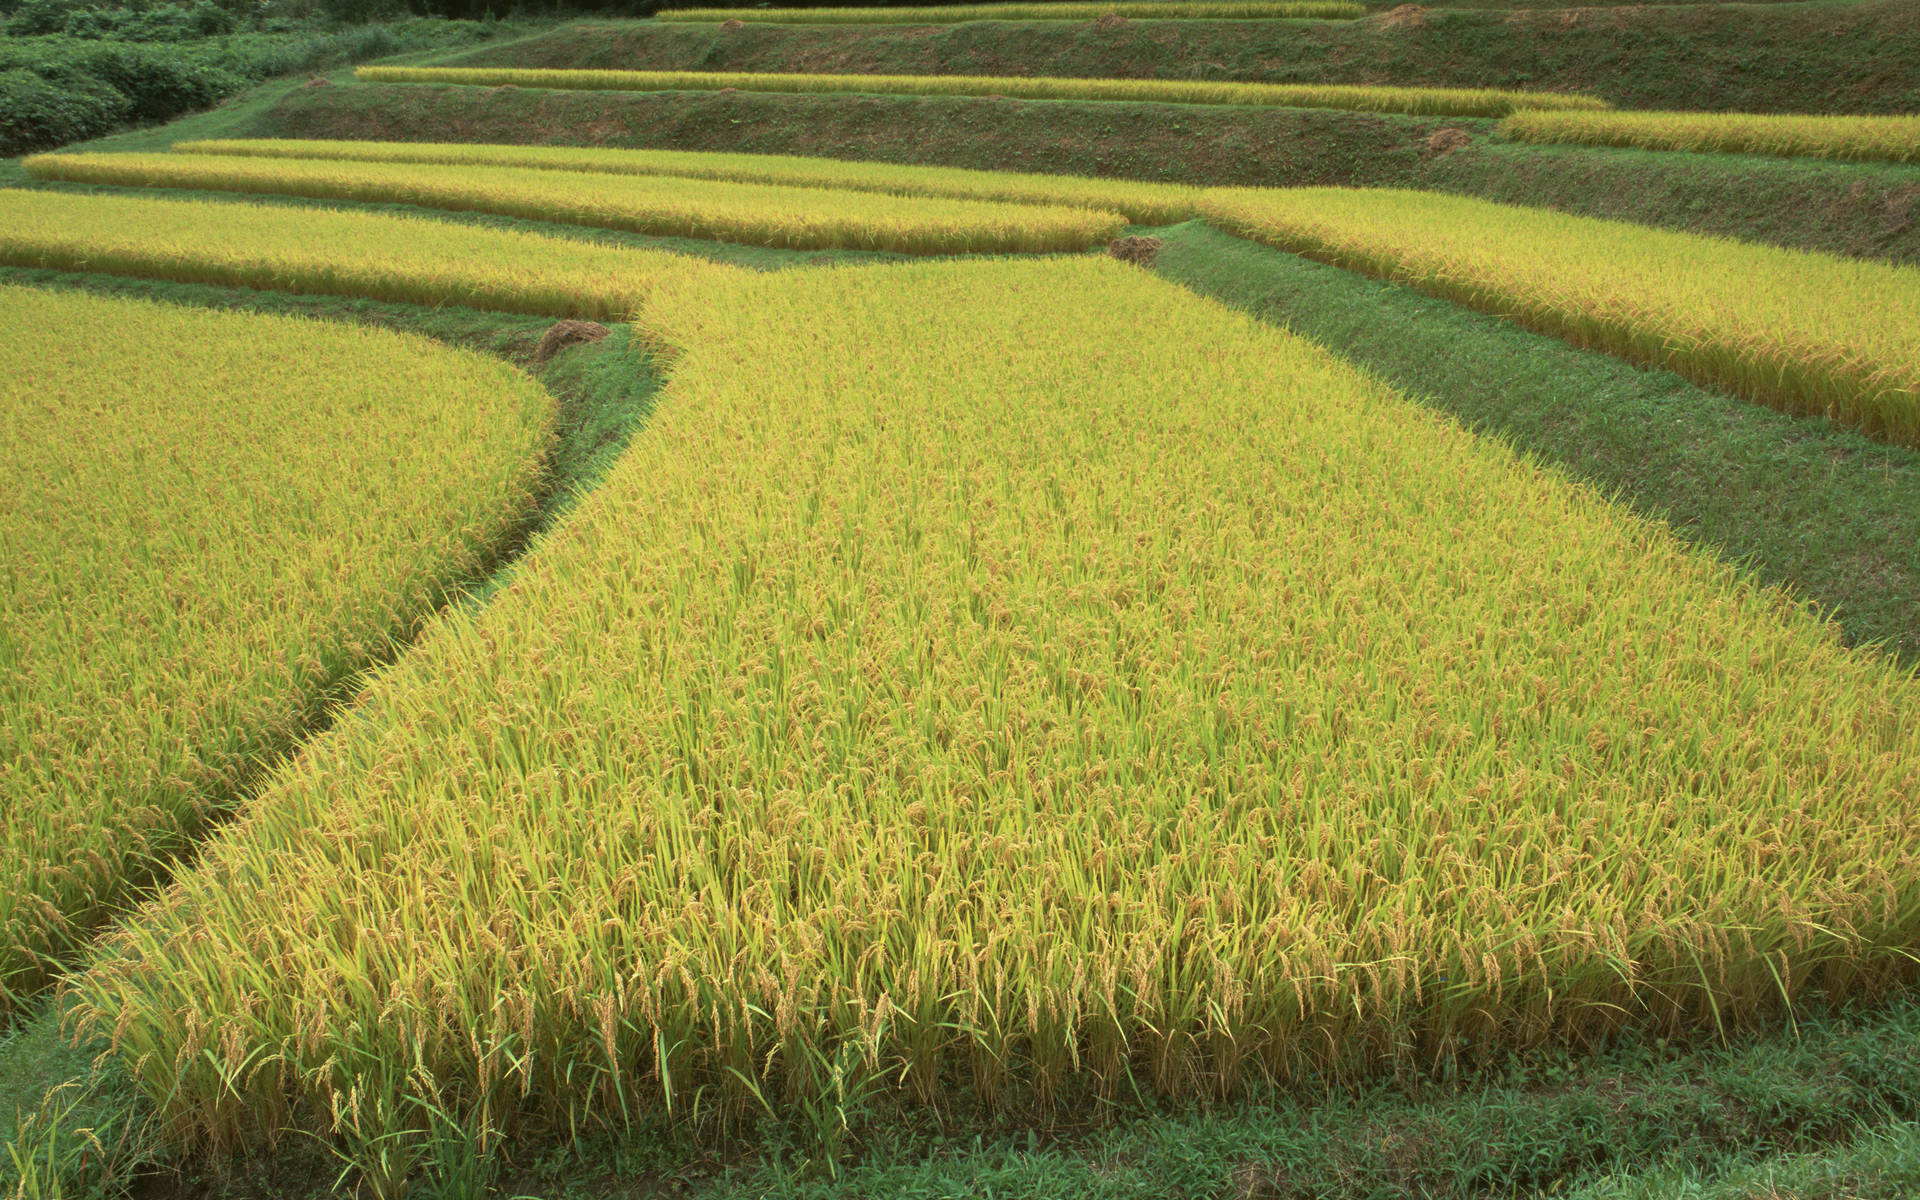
1137,10
1861,139
1459,102
657,205
1806,332
1141,202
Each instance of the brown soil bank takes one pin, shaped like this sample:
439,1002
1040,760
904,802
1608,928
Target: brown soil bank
1776,57
1843,208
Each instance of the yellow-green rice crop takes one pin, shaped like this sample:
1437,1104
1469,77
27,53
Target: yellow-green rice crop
1877,139
1458,102
664,205
210,521
1139,201
1068,10
410,259
1804,331
1012,674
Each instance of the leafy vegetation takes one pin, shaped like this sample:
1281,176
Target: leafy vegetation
752,214
1875,139
1807,332
100,69
1140,202
202,544
1467,102
1043,10
373,255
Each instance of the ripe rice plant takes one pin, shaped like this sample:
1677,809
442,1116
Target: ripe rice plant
1456,102
381,257
1020,676
211,521
1806,332
661,205
1141,202
1067,10
1870,139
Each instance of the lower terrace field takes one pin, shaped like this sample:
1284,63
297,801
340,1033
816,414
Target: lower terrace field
1261,691
920,750
211,522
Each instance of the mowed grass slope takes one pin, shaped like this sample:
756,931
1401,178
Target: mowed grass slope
210,523
1062,10
1140,201
1459,102
374,255
1024,676
1807,332
660,205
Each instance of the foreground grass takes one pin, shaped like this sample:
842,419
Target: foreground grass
1824,1109
1815,507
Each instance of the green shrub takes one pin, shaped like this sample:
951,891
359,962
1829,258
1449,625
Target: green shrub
36,113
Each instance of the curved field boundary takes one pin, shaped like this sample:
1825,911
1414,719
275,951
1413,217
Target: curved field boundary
201,544
416,260
1135,10
1140,202
1806,332
1859,139
662,205
1022,676
1459,102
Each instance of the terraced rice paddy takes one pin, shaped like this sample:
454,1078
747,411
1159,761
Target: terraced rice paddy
1458,102
1014,676
1866,139
1066,10
409,259
661,205
1807,332
1141,202
210,522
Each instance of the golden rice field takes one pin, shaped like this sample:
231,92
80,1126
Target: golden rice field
660,205
1807,332
1140,201
1872,139
211,521
1017,674
410,259
1067,10
1459,102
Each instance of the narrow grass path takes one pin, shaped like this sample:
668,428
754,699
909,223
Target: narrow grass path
1819,508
